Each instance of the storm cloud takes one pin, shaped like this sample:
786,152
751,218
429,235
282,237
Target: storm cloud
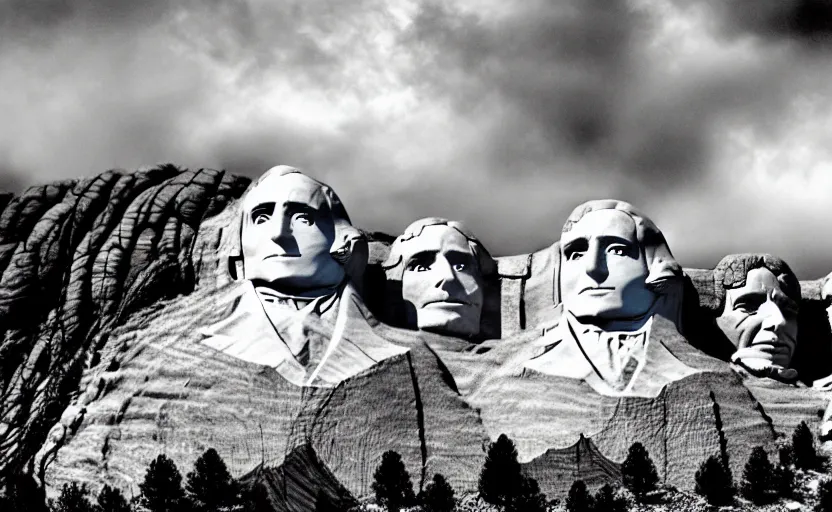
709,116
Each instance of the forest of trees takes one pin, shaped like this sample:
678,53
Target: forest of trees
209,487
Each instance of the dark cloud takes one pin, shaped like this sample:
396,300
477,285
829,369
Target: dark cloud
28,18
501,115
577,75
254,149
806,21
560,64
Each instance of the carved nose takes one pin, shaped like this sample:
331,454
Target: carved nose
282,230
773,319
596,265
444,272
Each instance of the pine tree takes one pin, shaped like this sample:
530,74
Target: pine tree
824,497
715,482
757,476
579,499
392,484
785,455
784,481
110,499
529,498
210,485
73,499
607,501
501,477
438,495
803,447
639,472
162,486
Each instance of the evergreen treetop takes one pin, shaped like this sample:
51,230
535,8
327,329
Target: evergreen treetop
501,477
438,495
803,447
392,484
529,498
757,477
579,499
110,499
161,490
73,498
210,485
638,471
715,482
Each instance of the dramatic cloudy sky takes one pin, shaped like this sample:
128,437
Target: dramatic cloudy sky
713,117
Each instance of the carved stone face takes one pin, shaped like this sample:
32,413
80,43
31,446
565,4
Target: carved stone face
442,281
287,234
762,317
603,270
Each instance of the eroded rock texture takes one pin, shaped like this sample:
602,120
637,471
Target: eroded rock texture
78,257
105,286
158,389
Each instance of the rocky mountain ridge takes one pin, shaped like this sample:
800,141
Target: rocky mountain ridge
106,282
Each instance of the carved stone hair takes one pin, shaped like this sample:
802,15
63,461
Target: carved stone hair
731,272
347,238
394,264
664,271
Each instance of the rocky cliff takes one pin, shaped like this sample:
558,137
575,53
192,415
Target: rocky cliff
106,283
77,258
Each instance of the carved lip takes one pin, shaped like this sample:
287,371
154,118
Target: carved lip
596,290
281,256
446,302
770,339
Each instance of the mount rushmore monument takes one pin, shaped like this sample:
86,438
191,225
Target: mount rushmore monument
168,311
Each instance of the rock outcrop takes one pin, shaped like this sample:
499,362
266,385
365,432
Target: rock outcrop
77,258
107,282
302,482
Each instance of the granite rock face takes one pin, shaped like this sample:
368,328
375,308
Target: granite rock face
107,282
77,258
158,389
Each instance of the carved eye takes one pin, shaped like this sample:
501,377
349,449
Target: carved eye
418,266
261,218
262,213
749,304
576,255
304,218
618,250
459,267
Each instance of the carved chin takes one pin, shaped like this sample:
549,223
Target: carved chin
457,321
605,308
587,308
297,273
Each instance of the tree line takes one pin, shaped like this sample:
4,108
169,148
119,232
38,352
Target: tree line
503,483
209,487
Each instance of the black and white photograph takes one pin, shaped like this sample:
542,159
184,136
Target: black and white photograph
416,256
